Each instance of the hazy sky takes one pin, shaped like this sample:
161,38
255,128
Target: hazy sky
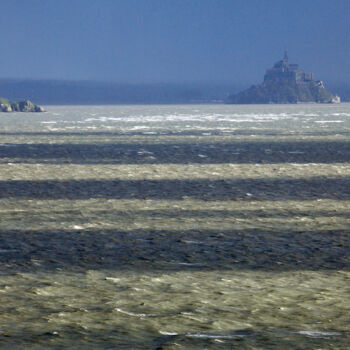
172,40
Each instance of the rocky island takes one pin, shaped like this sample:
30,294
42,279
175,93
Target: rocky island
285,83
22,106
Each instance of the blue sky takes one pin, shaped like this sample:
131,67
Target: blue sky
147,41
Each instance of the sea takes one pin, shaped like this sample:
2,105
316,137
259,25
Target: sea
173,227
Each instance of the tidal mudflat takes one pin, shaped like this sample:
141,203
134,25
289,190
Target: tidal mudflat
175,227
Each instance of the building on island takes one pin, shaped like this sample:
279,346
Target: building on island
287,71
285,83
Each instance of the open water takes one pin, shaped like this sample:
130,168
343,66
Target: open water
175,227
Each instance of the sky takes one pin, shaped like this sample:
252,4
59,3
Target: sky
172,41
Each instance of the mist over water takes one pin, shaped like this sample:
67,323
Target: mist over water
175,227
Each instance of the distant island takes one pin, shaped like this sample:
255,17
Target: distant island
285,83
22,106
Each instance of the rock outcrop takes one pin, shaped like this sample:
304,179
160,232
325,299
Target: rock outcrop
22,106
285,83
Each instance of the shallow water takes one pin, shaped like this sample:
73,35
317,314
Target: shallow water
175,227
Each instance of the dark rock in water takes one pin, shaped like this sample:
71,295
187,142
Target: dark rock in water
5,107
22,106
28,106
285,83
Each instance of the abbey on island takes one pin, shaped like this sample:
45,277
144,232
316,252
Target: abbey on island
285,83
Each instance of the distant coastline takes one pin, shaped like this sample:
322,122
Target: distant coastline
61,92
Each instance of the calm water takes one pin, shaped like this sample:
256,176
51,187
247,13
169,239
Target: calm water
175,227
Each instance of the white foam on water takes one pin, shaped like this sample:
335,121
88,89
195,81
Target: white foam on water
197,117
341,114
193,242
168,333
133,314
328,121
318,334
142,127
248,120
8,250
186,264
214,336
112,279
102,119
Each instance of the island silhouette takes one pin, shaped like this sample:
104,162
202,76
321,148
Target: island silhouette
285,83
